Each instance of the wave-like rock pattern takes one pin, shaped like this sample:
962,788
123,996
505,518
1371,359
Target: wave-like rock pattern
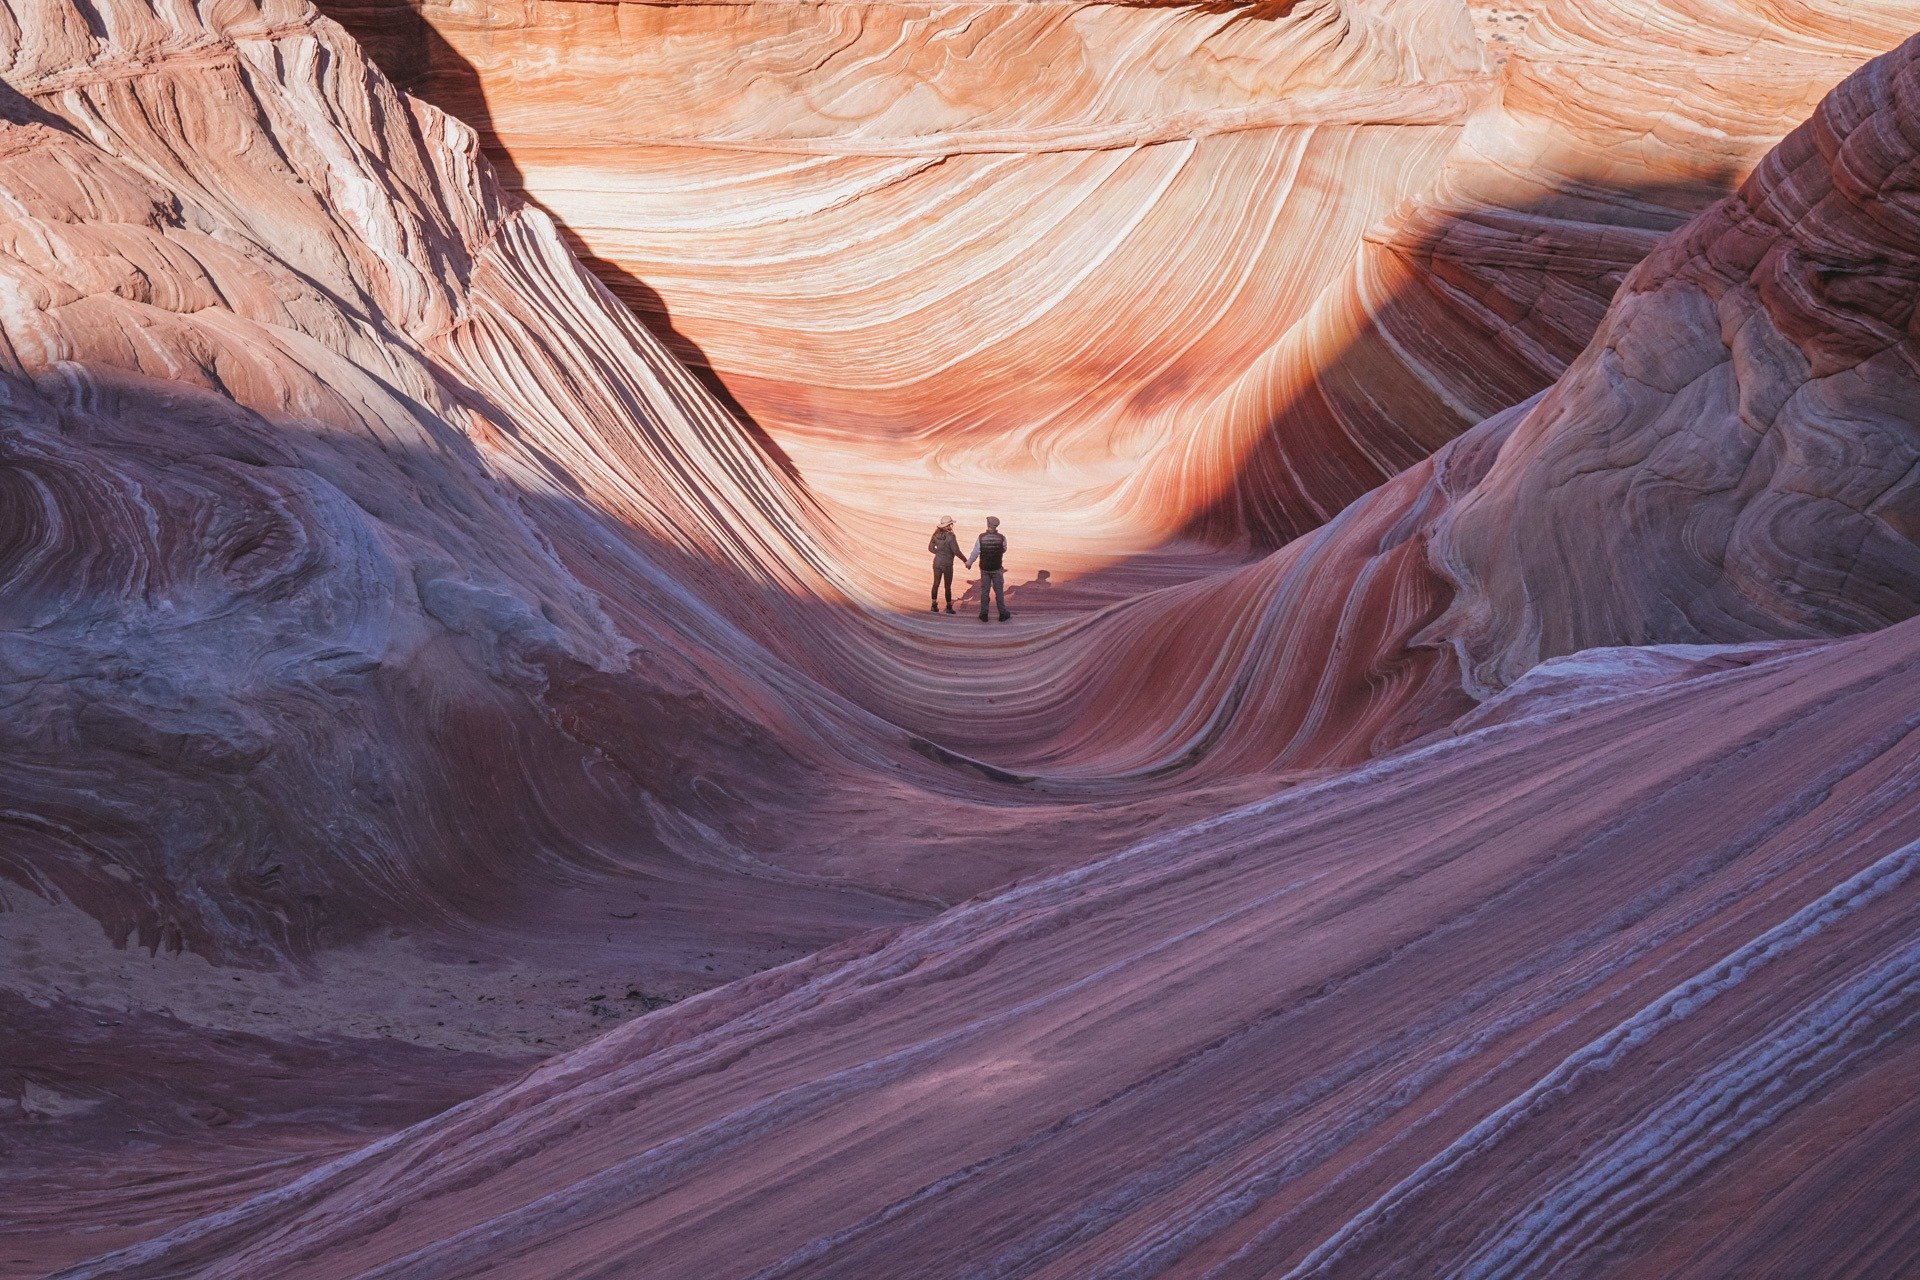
1744,419
1464,1012
303,428
1611,125
375,570
1732,459
880,232
1337,241
440,497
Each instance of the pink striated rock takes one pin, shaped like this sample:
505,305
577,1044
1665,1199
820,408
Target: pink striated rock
1021,246
1609,125
1730,461
1625,988
317,461
1743,420
381,597
1336,239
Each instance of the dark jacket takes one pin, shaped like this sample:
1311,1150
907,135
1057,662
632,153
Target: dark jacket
991,548
945,548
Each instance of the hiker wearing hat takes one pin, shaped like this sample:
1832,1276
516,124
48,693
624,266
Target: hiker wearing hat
946,549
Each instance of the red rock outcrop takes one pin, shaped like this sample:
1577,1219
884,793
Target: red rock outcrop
303,428
382,598
1732,459
1611,125
893,240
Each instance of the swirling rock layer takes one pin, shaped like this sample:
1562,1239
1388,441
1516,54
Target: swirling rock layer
1458,1013
1335,239
421,664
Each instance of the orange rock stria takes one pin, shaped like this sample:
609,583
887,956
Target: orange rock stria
1133,270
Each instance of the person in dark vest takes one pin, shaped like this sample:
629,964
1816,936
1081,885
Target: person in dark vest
990,549
946,549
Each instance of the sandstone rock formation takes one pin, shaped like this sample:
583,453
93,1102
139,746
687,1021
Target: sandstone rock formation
888,243
419,661
1731,459
303,430
1455,1013
1336,239
1611,125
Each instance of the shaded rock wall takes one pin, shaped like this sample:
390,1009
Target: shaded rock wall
297,414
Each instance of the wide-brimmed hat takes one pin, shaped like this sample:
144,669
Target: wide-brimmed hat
946,522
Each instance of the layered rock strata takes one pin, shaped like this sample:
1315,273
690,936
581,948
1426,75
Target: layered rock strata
1336,239
1467,1011
382,598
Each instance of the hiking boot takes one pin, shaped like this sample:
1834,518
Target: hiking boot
935,607
983,617
1004,615
949,608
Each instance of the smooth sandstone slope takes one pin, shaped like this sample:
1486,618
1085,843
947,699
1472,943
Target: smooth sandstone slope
306,436
1731,459
381,600
1611,125
1618,976
383,648
1626,987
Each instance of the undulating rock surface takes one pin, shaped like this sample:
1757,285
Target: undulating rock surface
1731,459
1458,1013
893,236
303,431
1237,265
1611,124
415,665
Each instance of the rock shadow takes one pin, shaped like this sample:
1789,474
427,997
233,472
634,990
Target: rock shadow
418,59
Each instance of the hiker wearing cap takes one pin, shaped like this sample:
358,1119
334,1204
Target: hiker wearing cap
990,549
946,549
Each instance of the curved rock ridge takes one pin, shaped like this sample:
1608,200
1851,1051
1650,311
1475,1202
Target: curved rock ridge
382,598
873,231
438,495
1021,244
1611,125
1460,1012
1732,459
303,430
379,599
1744,419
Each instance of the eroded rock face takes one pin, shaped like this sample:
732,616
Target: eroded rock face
1730,460
302,427
1744,420
1337,240
1610,125
1622,969
1021,245
368,568
1464,1008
